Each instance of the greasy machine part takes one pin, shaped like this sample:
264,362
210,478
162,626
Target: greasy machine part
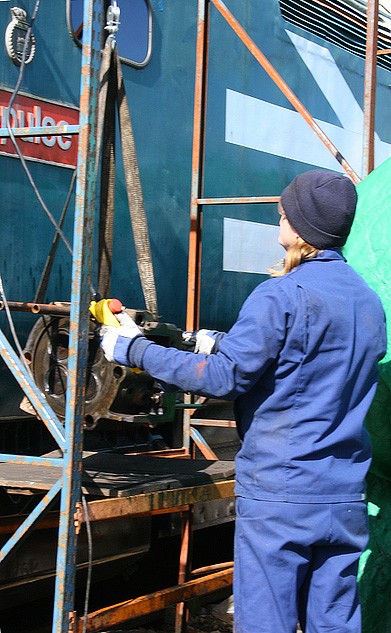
47,352
113,392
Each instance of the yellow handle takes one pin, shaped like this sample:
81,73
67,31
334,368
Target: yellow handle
102,313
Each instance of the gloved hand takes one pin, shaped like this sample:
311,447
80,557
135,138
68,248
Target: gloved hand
205,341
115,341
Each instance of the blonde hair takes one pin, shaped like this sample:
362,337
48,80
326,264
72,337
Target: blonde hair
297,253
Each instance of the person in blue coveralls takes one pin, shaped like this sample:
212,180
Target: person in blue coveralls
301,365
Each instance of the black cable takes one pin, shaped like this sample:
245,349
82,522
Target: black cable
12,136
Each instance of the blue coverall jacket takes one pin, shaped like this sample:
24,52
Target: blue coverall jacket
301,364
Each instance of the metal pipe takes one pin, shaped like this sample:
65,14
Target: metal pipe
370,87
38,308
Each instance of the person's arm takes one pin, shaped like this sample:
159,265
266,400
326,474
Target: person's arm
246,351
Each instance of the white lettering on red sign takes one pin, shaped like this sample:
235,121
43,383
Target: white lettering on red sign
31,112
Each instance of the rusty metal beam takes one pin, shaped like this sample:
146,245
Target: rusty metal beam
181,612
194,267
202,444
370,87
159,500
124,611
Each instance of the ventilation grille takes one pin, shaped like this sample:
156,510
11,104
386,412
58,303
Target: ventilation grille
341,22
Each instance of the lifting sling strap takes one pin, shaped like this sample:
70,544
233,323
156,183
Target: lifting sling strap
113,90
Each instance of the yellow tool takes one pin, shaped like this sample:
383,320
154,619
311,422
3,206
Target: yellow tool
105,310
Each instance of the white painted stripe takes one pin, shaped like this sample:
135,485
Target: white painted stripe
275,130
331,81
250,247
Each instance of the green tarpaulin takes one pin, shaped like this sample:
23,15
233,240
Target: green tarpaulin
368,250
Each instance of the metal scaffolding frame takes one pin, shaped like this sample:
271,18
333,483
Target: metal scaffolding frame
199,201
69,439
67,470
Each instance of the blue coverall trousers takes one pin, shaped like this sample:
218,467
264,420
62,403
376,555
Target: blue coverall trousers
298,561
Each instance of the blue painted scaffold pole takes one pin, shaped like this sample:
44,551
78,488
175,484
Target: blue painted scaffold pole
79,319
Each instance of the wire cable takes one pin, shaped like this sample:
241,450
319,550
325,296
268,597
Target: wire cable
12,136
12,328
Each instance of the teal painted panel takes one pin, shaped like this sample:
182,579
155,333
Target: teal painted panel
160,100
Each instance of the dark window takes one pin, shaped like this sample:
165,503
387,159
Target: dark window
342,22
134,37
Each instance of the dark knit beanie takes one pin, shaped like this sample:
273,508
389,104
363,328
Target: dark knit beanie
320,206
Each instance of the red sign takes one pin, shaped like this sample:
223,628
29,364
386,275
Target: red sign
33,112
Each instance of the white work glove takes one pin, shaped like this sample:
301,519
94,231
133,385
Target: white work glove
204,340
112,336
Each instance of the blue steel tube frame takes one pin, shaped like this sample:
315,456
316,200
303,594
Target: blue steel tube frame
79,319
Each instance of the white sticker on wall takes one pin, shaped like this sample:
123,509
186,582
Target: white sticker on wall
250,247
